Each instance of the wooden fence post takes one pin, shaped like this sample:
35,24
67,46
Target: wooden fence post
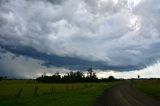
19,92
36,90
53,90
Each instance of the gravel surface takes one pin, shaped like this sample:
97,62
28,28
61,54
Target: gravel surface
124,95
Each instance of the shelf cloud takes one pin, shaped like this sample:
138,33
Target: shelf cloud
122,34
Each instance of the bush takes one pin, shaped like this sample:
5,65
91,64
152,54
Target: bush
1,78
111,78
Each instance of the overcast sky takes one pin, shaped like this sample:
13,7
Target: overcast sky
117,33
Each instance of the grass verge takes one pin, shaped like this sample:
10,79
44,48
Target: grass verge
149,87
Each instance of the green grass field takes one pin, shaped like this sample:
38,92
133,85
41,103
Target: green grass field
79,94
150,87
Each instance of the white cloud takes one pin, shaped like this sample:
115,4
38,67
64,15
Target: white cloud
148,72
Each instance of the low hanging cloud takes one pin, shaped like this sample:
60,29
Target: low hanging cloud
24,67
118,33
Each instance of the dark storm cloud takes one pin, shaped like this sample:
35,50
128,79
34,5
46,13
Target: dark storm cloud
121,34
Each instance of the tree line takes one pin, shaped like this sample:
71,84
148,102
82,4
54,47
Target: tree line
3,78
73,77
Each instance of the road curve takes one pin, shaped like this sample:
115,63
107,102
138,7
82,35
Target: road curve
124,95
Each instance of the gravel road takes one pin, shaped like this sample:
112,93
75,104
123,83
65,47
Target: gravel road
124,95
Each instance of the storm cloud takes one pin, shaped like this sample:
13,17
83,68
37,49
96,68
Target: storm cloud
118,33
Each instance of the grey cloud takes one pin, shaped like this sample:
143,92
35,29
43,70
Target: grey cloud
117,33
24,67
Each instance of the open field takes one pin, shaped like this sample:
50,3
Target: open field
149,87
29,93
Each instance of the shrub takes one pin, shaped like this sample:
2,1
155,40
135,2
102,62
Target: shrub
1,78
111,78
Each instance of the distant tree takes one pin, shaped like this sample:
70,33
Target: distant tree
5,77
111,78
73,77
1,78
44,74
91,76
57,74
90,72
56,77
79,76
